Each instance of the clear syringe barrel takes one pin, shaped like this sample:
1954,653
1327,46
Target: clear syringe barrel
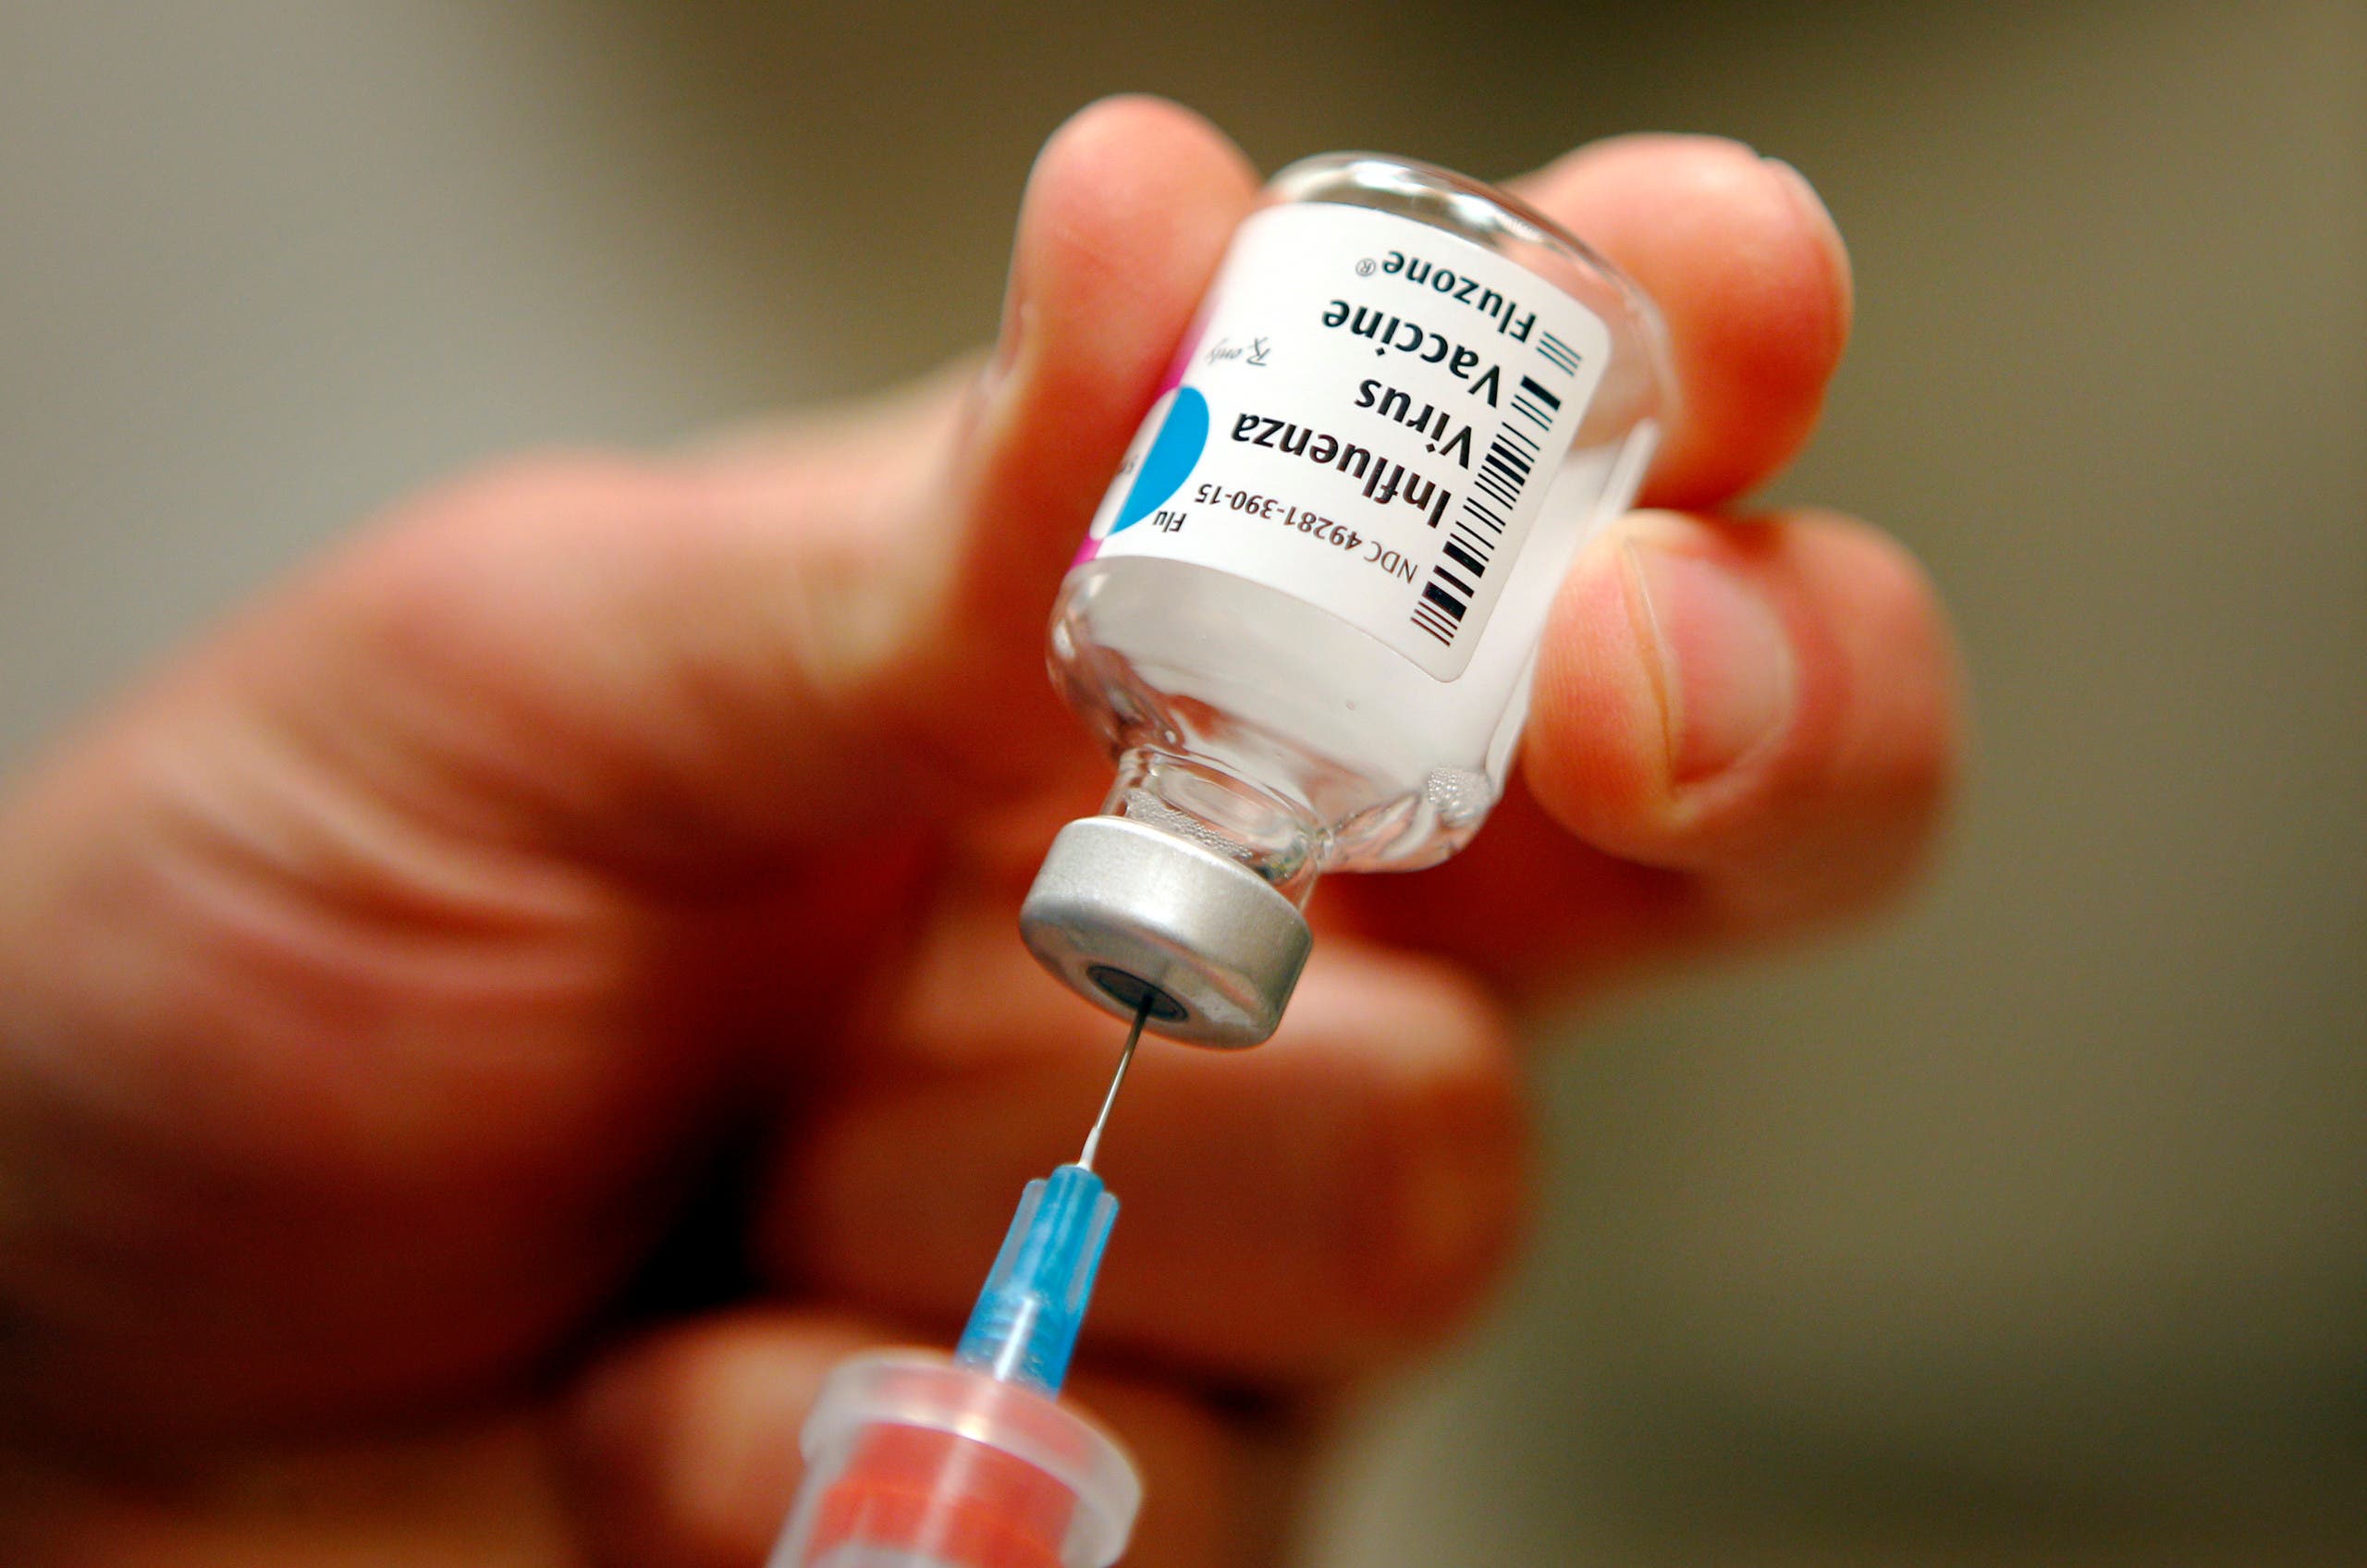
914,1460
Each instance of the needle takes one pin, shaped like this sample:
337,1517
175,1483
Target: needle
1125,1059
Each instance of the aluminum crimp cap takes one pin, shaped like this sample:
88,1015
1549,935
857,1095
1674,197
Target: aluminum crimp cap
1122,909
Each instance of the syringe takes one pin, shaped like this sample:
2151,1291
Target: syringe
914,1460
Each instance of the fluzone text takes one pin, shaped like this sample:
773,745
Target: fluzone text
1504,310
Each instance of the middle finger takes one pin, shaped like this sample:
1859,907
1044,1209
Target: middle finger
1295,1213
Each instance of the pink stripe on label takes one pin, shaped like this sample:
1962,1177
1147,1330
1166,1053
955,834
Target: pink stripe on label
1181,362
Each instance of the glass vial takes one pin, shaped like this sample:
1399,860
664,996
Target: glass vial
1306,613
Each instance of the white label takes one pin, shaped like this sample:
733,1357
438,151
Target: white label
1366,417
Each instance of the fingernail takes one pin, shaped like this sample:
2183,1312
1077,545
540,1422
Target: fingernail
995,373
1796,184
1007,344
1012,333
1812,210
1724,664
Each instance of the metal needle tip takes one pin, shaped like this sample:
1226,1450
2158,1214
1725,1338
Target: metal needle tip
1125,1059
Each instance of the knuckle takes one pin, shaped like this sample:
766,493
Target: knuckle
491,548
1446,1140
535,490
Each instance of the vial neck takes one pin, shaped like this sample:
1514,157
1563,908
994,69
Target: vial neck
1197,799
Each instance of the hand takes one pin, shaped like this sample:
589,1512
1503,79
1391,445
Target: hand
592,891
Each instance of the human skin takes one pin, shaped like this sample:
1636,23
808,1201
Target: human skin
604,854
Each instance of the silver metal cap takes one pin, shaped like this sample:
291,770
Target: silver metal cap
1122,909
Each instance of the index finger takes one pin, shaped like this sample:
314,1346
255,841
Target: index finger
1751,280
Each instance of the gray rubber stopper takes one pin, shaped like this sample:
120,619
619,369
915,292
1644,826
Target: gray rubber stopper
1121,910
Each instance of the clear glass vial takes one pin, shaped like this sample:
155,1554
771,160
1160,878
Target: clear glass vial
1307,617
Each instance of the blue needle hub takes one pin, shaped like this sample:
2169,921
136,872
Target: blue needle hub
1024,1327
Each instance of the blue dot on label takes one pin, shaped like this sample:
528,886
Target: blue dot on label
1168,461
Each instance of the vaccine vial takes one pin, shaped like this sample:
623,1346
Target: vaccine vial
1306,616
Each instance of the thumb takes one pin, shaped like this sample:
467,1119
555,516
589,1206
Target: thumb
912,550
743,652
1127,212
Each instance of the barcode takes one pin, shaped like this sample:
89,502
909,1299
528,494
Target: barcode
1535,404
1564,358
1479,523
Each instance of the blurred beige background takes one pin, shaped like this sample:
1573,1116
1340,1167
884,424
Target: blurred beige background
2031,1227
